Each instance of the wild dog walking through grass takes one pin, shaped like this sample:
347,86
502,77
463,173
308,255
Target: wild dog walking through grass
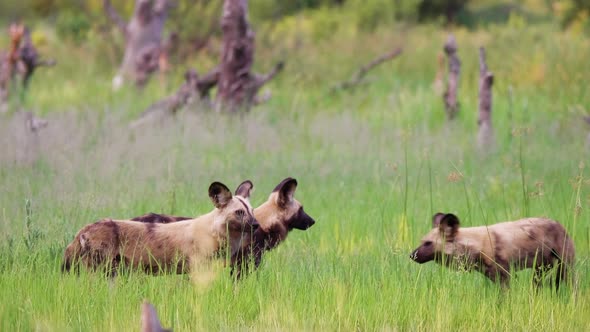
280,214
159,247
497,250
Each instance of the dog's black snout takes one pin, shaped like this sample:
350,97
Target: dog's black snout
254,224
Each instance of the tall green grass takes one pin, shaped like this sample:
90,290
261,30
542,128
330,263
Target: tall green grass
373,165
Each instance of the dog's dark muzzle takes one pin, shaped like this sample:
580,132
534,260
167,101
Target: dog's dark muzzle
414,256
253,223
301,221
420,257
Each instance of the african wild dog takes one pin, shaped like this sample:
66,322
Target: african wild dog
277,217
173,247
280,214
498,249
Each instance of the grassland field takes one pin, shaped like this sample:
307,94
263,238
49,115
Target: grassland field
373,166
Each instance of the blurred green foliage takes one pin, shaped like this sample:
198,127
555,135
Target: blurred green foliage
274,9
73,25
575,13
369,15
195,19
449,9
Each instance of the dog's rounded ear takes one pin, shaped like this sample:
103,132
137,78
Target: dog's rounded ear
286,190
449,225
244,189
219,194
436,219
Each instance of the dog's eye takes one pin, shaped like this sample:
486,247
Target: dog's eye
240,213
428,243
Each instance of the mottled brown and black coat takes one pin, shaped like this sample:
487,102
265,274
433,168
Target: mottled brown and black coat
173,247
280,214
499,249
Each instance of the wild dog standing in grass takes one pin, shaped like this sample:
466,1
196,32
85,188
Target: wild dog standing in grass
280,214
173,247
499,249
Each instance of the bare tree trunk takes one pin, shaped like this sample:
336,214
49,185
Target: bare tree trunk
450,95
143,39
8,64
485,137
29,58
21,61
237,55
237,86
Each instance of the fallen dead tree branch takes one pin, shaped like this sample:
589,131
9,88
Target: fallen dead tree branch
198,89
261,79
358,76
194,87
